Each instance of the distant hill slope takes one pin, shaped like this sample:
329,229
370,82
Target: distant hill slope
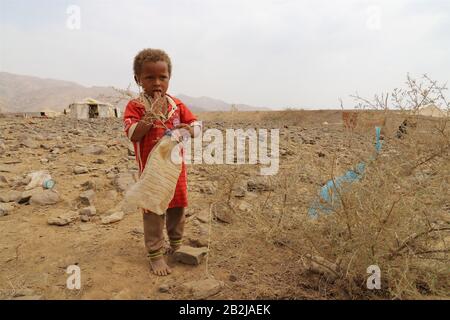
19,93
210,104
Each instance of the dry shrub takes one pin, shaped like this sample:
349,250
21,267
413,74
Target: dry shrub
396,217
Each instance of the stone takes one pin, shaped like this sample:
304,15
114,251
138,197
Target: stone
259,184
23,292
111,175
164,288
203,216
208,188
85,218
222,212
80,170
86,227
92,150
138,231
5,209
36,297
2,147
245,206
12,161
198,242
190,255
4,168
239,192
99,161
11,196
232,278
45,197
87,197
88,211
125,294
3,182
62,219
26,195
88,185
203,289
115,217
29,143
124,181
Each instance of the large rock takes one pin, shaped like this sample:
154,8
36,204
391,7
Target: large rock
190,255
26,195
115,217
202,289
63,218
95,150
10,196
223,212
45,197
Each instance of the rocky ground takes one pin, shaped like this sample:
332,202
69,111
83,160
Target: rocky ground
82,220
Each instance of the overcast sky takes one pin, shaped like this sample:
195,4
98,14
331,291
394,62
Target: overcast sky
277,53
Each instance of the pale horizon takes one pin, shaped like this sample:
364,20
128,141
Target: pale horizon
277,54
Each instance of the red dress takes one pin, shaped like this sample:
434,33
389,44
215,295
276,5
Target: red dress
134,111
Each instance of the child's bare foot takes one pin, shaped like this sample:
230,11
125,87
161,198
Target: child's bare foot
160,267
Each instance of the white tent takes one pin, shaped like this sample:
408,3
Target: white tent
91,108
432,110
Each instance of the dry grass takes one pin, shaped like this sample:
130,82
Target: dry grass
396,217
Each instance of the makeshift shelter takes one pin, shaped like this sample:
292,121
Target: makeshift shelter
432,110
91,108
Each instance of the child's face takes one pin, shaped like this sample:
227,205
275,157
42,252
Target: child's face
154,78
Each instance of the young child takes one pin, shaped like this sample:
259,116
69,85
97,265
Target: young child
152,72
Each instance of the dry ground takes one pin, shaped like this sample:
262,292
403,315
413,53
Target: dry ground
243,253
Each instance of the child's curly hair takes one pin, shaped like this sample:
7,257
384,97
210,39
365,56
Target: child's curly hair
151,55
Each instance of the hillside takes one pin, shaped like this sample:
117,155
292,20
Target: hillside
19,93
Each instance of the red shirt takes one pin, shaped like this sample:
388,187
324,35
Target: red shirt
134,111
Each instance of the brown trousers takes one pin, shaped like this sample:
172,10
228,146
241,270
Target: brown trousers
154,229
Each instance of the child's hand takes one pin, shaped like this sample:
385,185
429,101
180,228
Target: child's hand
186,127
158,103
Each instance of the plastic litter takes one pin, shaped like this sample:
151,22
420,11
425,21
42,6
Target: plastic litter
328,199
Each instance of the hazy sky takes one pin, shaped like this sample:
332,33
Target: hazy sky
277,53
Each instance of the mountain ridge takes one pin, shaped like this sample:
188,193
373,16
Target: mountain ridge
22,93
